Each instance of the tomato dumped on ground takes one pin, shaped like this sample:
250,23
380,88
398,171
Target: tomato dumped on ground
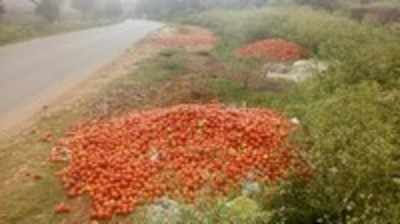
62,208
182,151
187,40
274,49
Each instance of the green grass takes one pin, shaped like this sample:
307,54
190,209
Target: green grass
25,200
313,29
11,33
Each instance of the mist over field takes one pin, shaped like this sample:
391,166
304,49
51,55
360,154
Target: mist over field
25,10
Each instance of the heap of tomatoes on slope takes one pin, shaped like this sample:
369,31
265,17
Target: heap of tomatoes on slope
274,49
180,152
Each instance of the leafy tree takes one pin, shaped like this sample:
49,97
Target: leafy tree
101,8
324,4
160,8
84,6
112,9
2,8
48,9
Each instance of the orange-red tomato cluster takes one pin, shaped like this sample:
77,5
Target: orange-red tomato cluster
62,208
181,151
187,40
274,49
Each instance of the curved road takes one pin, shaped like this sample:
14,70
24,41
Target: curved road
29,71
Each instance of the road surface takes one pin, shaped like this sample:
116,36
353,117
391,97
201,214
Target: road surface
30,72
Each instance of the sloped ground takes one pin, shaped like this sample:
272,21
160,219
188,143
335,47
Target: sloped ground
30,190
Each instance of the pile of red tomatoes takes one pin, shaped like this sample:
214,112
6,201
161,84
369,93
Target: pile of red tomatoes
274,49
179,152
187,40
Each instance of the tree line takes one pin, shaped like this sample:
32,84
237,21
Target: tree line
2,8
51,9
165,8
162,8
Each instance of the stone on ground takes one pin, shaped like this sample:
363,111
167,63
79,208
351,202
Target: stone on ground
251,189
297,72
164,211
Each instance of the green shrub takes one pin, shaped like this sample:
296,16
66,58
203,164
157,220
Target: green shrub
352,142
10,33
49,9
171,8
300,24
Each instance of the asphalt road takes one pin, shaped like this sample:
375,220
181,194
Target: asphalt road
30,71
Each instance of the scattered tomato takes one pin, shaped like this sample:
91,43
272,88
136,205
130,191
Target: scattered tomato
187,40
62,208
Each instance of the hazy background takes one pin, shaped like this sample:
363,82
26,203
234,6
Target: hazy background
26,11
31,11
25,19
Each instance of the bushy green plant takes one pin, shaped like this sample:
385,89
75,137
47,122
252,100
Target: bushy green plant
84,6
48,9
351,139
2,8
11,32
300,24
168,8
323,4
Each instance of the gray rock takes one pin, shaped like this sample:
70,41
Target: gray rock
295,121
251,188
309,66
282,68
299,71
164,211
396,180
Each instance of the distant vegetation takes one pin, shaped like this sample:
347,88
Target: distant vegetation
110,9
51,9
2,8
48,9
162,8
383,12
51,20
11,33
